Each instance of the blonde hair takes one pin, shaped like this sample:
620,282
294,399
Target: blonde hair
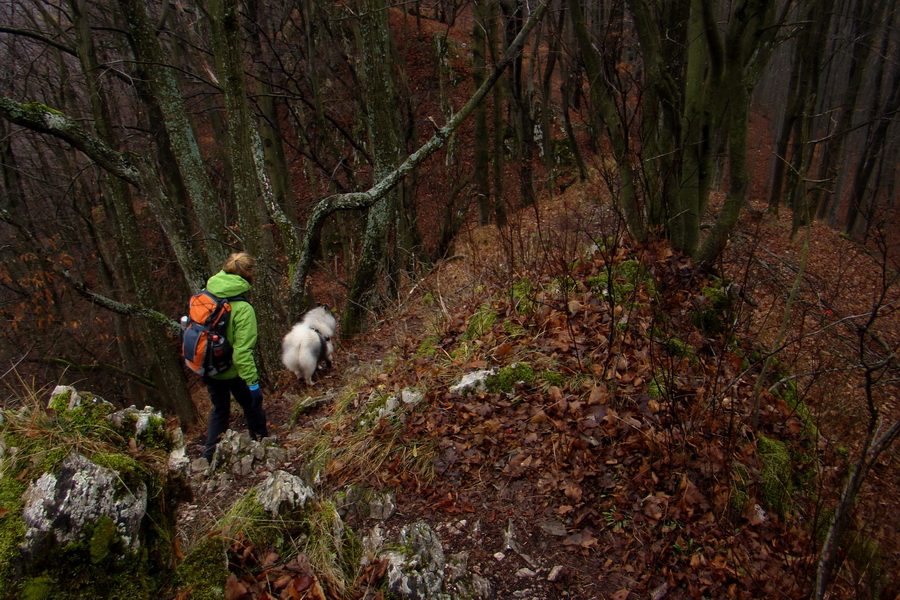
241,264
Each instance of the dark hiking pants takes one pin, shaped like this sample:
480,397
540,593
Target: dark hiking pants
220,393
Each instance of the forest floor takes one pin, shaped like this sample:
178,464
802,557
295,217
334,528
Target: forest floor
616,464
628,465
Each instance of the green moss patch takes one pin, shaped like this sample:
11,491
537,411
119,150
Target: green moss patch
204,570
521,296
622,281
777,475
552,378
507,377
680,349
428,347
717,312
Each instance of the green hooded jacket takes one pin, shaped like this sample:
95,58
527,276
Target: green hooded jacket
241,332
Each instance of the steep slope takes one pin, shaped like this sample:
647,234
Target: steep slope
613,445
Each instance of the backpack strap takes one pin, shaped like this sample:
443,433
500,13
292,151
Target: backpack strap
228,299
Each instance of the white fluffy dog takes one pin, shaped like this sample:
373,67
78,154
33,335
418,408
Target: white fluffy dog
309,342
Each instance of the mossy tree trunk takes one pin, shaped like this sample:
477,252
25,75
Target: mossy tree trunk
481,150
127,166
166,95
377,58
225,25
698,74
521,118
869,17
269,116
161,357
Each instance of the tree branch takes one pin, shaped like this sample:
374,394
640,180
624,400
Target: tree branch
127,166
363,200
100,366
79,286
39,37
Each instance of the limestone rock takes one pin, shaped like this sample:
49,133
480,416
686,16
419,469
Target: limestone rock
282,492
417,572
382,506
240,455
473,382
59,505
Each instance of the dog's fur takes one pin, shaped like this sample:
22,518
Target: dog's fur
309,342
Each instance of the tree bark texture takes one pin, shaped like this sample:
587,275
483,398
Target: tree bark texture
246,184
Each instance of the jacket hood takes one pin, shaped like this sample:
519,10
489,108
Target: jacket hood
224,284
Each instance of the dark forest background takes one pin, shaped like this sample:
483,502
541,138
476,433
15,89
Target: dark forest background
142,142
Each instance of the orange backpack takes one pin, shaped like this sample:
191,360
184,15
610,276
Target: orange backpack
205,348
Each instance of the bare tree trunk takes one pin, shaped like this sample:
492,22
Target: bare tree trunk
498,156
782,141
873,147
869,16
553,58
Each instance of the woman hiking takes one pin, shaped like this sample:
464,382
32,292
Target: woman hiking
241,380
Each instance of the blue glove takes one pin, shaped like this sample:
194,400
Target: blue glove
256,394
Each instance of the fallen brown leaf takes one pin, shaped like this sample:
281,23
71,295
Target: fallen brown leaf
234,588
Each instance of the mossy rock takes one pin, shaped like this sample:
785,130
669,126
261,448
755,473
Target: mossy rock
777,475
93,558
146,426
90,568
12,527
507,377
204,570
